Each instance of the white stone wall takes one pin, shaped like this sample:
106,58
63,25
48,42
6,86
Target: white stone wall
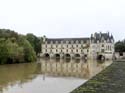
94,49
64,48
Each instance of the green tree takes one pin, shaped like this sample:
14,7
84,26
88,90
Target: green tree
15,48
3,51
35,42
29,53
120,46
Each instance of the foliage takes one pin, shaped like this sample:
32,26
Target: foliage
14,48
120,46
35,42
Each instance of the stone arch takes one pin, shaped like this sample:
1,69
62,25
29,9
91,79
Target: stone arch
100,57
57,55
46,55
77,55
67,55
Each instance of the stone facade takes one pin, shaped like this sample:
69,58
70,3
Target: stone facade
120,55
99,44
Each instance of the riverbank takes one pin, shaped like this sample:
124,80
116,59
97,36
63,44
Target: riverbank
111,80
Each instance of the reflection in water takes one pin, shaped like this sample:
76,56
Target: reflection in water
20,76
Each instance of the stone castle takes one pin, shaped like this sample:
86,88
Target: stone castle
98,45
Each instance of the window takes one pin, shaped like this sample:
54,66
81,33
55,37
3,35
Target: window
81,42
121,53
56,50
76,45
51,46
102,45
56,46
102,50
61,42
71,50
46,46
61,46
77,42
81,46
67,46
110,48
67,42
51,42
67,50
76,50
56,42
46,50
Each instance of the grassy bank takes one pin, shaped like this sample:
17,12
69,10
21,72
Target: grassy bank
111,80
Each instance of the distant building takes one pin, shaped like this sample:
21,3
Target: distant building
99,45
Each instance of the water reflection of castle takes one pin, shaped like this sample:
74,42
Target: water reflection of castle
71,68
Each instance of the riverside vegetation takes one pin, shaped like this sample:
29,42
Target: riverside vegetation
17,48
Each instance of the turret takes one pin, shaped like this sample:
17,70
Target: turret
44,39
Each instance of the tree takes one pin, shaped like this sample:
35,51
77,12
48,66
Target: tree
120,46
35,42
15,48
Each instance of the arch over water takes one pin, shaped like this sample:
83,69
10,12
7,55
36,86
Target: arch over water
67,55
100,57
77,55
46,55
57,55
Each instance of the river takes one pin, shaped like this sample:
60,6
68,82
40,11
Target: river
48,76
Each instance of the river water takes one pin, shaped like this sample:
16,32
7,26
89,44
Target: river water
48,76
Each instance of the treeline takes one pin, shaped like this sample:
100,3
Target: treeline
16,48
120,46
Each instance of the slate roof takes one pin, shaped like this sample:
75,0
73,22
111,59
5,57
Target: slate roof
96,37
99,36
54,40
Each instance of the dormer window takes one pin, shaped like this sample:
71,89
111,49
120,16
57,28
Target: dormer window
67,42
61,42
108,40
72,42
51,42
81,42
77,42
56,42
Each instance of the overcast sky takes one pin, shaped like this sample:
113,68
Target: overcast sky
64,18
